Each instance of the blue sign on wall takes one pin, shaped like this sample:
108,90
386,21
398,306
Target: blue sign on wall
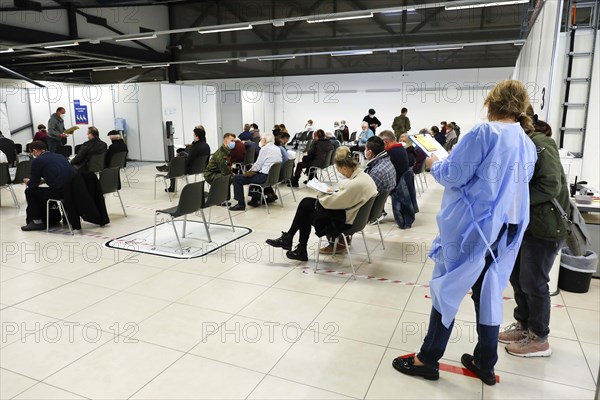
81,113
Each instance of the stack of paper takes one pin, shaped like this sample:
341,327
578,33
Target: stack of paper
429,145
319,186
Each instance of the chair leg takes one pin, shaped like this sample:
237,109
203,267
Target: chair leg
279,193
122,206
366,247
263,198
380,235
210,215
317,262
61,207
154,234
205,225
155,179
230,219
184,224
14,196
349,256
48,215
176,235
126,177
291,187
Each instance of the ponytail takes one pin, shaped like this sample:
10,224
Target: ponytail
526,123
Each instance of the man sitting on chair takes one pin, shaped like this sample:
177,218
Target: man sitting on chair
93,146
219,164
269,155
56,171
363,136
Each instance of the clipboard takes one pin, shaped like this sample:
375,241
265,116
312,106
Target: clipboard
429,145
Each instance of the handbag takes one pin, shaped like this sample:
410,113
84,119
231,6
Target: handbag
579,237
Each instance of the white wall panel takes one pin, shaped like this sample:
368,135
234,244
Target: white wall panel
102,112
151,127
125,103
208,115
170,96
190,111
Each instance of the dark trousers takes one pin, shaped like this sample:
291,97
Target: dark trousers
303,219
358,148
529,280
53,145
238,185
36,202
486,350
299,167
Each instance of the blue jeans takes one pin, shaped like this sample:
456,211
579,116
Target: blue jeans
529,280
486,350
238,185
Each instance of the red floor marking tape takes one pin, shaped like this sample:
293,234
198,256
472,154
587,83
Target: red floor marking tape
367,277
452,368
511,298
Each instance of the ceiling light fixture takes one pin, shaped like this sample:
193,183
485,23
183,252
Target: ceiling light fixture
9,50
138,37
224,61
105,69
338,17
351,53
519,43
438,48
226,28
69,44
155,66
66,71
276,58
278,22
488,4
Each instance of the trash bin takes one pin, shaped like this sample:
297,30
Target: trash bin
576,271
554,272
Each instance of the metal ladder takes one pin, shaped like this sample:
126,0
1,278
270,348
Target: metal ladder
577,83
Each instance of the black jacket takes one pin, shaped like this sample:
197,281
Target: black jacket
84,199
399,158
88,149
198,149
117,146
318,151
370,121
7,146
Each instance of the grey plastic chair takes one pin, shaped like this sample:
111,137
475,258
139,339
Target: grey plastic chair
217,195
23,171
110,183
176,170
249,158
118,160
190,201
285,176
272,179
377,211
96,163
198,166
6,183
360,222
332,165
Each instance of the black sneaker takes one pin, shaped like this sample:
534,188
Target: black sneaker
33,227
489,378
162,168
170,190
254,204
237,207
284,242
299,253
407,366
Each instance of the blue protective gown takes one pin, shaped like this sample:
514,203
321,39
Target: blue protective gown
486,180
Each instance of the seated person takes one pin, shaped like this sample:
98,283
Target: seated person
398,152
93,146
269,155
416,156
332,213
7,146
315,157
219,164
198,148
439,136
117,146
284,139
333,139
41,134
362,138
238,152
269,192
247,134
56,171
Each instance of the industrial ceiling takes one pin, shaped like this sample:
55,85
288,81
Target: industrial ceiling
106,41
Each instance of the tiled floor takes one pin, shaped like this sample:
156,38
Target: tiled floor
83,321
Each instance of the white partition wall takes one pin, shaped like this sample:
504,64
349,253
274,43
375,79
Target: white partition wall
229,114
150,122
125,104
208,114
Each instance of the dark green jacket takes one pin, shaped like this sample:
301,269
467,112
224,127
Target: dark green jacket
401,125
218,164
548,182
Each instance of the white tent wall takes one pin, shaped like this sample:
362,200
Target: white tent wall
151,125
125,105
14,95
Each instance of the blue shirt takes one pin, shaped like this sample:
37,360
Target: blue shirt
54,168
486,186
363,136
246,135
284,154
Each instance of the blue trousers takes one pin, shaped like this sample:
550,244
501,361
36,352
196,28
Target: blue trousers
238,185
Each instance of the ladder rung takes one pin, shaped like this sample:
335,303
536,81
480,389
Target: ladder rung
574,104
571,129
576,80
583,27
580,54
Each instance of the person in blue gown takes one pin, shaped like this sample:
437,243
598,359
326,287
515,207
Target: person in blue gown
484,213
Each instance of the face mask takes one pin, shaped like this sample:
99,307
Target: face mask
231,145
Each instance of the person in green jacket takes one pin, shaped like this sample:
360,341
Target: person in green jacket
528,336
219,164
401,124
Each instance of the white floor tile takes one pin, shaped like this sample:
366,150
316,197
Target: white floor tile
44,391
121,276
26,286
514,386
279,389
223,295
169,285
17,324
13,384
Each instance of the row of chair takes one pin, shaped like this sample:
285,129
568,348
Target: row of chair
177,170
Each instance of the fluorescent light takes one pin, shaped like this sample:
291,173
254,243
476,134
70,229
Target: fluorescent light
438,48
275,58
66,71
105,69
9,50
224,61
393,50
351,53
519,43
278,22
399,11
226,28
139,37
480,5
52,46
155,66
338,17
